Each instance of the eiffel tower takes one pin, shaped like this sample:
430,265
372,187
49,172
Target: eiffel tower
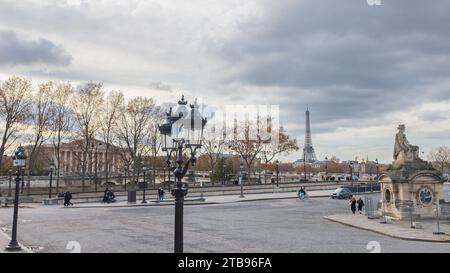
309,156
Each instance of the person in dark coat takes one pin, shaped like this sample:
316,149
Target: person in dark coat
353,204
360,205
159,194
67,197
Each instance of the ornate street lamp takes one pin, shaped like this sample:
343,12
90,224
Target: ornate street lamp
52,167
183,131
19,162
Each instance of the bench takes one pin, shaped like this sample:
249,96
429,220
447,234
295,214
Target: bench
417,225
7,200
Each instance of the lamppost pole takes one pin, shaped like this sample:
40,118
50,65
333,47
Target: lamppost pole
52,165
326,166
126,171
19,162
378,172
10,179
351,173
223,168
304,162
278,169
241,178
145,186
23,180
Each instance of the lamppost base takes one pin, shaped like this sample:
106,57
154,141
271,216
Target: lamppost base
241,196
439,233
13,246
144,202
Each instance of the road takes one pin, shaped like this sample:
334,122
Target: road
261,226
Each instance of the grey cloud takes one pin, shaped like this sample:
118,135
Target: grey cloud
17,50
161,86
350,61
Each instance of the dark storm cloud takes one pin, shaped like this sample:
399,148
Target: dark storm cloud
17,50
350,61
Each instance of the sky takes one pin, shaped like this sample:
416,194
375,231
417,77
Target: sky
362,69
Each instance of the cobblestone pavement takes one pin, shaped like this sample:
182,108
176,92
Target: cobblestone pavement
284,225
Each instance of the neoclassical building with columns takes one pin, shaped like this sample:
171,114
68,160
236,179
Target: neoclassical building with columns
71,156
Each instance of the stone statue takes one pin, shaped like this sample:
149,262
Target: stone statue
403,150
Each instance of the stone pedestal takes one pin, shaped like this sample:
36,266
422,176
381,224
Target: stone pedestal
413,191
50,201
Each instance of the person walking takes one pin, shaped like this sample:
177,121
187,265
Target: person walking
353,204
159,194
162,195
67,197
360,205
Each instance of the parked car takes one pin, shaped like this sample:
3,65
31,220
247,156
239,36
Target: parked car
341,193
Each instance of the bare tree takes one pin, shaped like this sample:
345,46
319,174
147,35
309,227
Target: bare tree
14,109
86,104
109,116
133,131
41,116
213,146
157,117
62,122
440,157
247,144
284,145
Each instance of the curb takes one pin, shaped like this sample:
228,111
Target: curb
387,234
188,203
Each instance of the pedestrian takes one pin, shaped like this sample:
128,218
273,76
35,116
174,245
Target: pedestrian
301,193
353,204
360,205
162,194
159,194
67,197
105,196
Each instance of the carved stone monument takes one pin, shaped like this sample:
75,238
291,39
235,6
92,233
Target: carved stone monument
411,187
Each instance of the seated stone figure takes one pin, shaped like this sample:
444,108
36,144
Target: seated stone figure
404,151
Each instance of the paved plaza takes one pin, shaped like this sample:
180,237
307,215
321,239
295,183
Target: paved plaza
282,225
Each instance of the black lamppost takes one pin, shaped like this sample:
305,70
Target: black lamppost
4,160
241,178
326,166
183,131
351,172
10,179
277,163
304,161
144,169
125,172
52,166
19,162
23,180
96,163
378,169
